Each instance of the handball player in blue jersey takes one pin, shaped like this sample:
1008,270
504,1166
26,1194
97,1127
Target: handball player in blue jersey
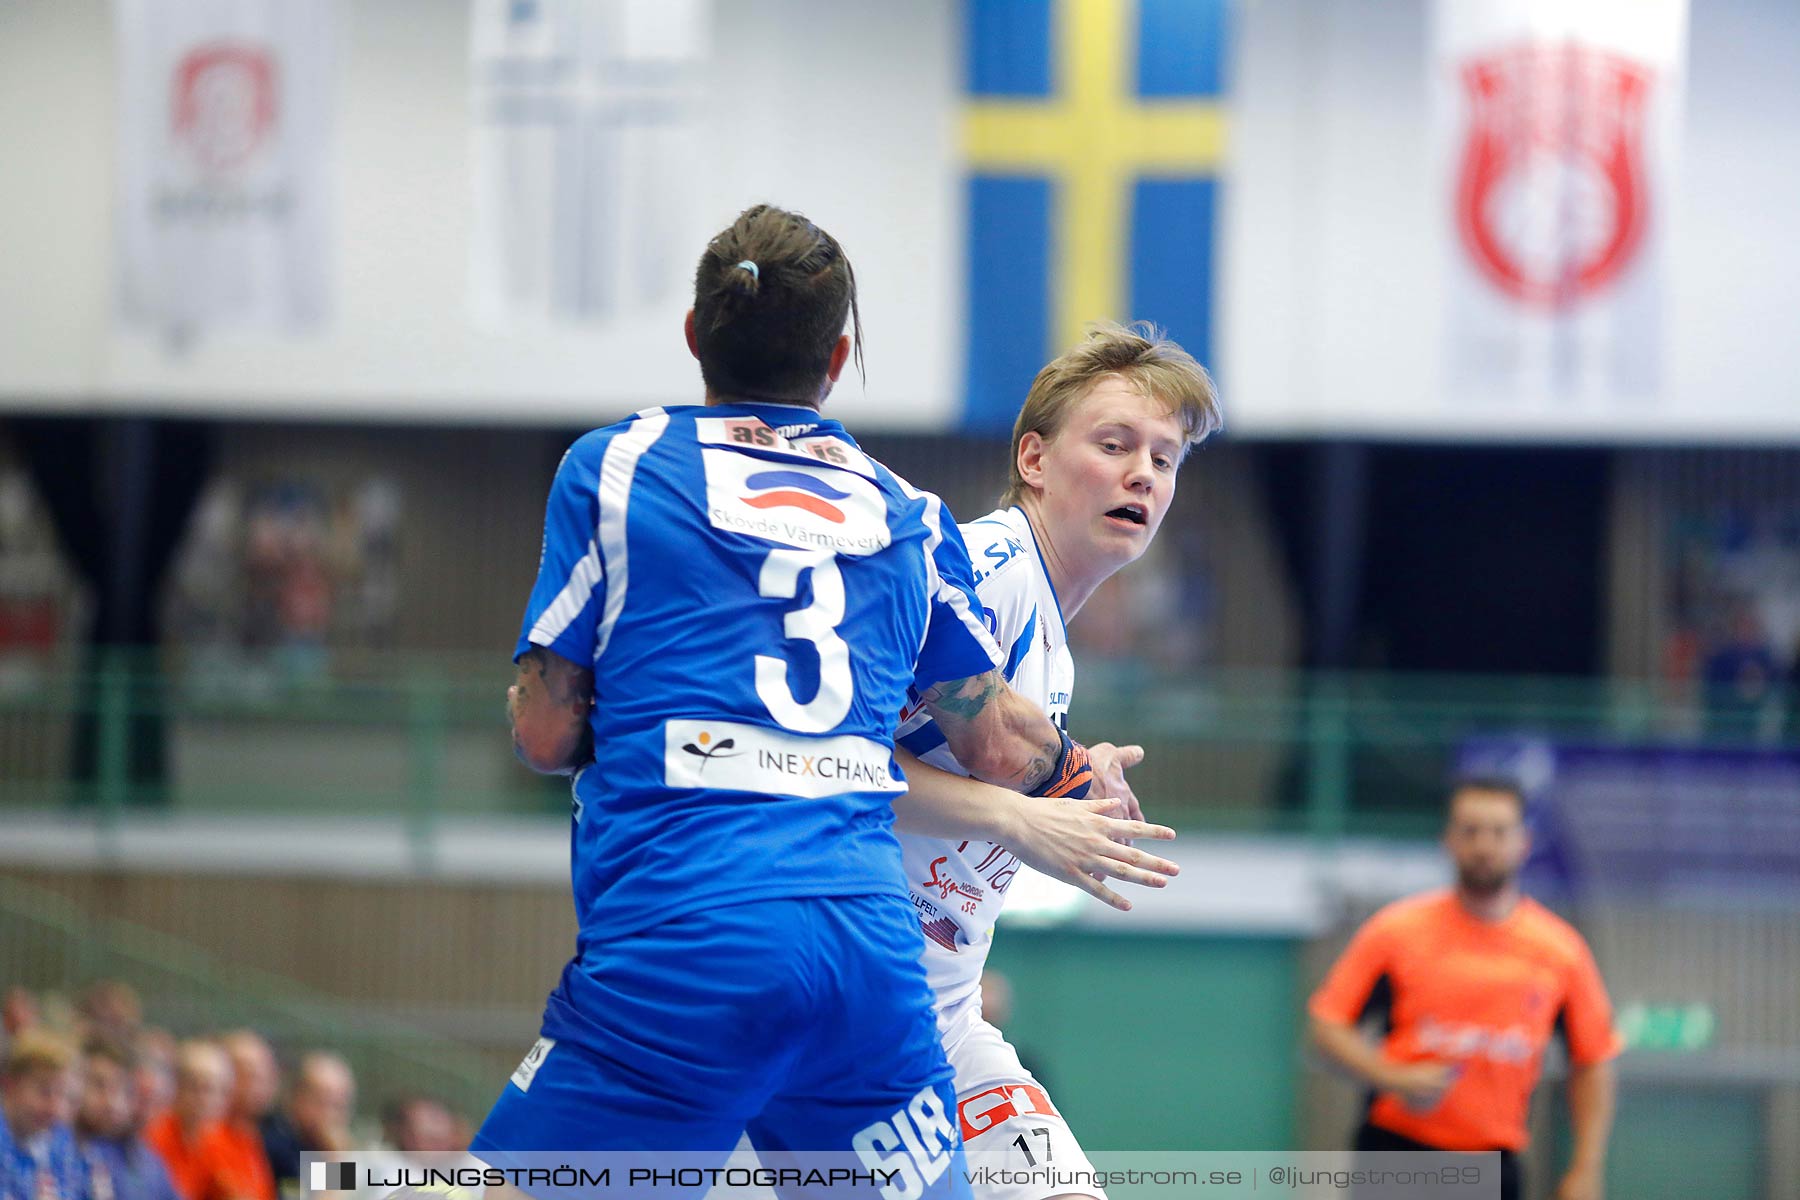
732,604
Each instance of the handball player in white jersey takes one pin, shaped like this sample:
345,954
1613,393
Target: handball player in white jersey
1095,451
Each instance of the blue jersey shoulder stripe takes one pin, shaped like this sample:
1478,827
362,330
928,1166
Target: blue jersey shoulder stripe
1021,647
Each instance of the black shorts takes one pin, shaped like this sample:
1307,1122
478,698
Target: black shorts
1373,1137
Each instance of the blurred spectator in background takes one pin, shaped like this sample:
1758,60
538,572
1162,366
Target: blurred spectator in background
420,1125
112,1010
256,1082
39,1159
204,1162
319,1110
57,1014
256,1079
107,1125
153,1076
18,1012
1475,980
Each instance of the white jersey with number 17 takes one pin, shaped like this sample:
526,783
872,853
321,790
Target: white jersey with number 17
957,886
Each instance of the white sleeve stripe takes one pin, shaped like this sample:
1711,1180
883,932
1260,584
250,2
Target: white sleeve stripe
617,469
571,600
933,535
946,593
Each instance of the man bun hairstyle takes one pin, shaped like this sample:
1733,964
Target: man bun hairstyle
771,295
1143,356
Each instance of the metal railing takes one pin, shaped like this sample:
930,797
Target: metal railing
419,737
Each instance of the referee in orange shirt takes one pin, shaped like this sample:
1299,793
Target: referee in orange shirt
1476,979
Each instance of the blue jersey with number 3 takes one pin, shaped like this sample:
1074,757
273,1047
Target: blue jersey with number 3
755,595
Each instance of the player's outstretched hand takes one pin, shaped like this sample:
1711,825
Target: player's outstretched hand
1110,763
1076,842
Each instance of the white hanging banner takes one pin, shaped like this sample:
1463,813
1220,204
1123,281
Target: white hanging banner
224,150
587,154
1556,127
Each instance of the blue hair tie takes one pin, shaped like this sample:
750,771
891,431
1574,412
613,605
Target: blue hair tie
751,267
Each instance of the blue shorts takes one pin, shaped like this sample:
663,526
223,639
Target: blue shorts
806,1022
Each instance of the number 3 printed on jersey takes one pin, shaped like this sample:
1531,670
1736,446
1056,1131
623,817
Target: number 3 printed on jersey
816,623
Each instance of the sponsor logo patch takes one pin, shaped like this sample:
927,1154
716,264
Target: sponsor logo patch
794,489
945,884
727,756
912,1148
794,503
705,747
997,1105
753,433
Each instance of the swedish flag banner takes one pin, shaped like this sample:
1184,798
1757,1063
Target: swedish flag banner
1093,135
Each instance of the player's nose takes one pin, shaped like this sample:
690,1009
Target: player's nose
1140,472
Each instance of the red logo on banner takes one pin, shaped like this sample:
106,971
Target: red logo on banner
1551,198
223,104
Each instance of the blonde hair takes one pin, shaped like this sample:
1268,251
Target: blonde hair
36,1050
1144,357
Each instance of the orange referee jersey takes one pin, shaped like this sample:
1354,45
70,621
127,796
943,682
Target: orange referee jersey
1483,996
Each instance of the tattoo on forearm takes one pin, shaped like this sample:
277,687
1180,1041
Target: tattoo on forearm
532,665
964,698
1040,767
566,685
960,701
551,705
577,689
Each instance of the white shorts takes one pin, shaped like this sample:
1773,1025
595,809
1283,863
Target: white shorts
1018,1145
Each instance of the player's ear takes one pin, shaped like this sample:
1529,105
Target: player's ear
1031,458
840,354
687,327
